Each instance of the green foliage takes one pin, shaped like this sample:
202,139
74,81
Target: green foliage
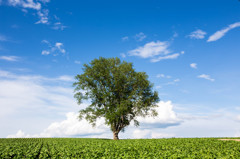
56,148
117,92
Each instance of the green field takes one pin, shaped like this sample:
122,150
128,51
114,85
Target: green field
105,148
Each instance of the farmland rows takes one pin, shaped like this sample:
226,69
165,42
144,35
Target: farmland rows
103,148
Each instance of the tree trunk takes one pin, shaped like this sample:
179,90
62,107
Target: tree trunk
115,135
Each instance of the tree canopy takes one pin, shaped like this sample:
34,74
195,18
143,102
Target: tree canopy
117,93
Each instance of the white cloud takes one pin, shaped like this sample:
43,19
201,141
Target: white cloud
125,38
46,42
154,133
160,76
140,134
207,77
77,62
149,126
193,65
238,118
66,78
166,116
38,7
9,58
25,4
43,16
174,82
73,127
45,1
45,52
173,56
214,125
59,26
30,99
57,48
19,134
198,34
161,135
219,34
36,78
70,127
163,76
151,49
140,36
157,51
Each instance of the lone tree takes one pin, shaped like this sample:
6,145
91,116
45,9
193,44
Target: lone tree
117,92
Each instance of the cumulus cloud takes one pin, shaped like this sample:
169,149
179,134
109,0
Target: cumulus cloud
198,34
53,49
166,117
30,99
207,77
157,51
9,58
193,65
150,126
140,36
209,125
19,134
219,34
72,127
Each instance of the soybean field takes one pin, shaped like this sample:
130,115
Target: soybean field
130,148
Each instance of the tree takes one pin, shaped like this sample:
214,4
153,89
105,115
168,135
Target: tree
117,92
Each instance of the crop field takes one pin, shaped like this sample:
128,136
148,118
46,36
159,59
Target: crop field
105,148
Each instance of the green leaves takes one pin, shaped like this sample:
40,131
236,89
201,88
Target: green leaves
55,148
117,92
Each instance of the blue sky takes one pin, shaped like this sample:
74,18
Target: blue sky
189,49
